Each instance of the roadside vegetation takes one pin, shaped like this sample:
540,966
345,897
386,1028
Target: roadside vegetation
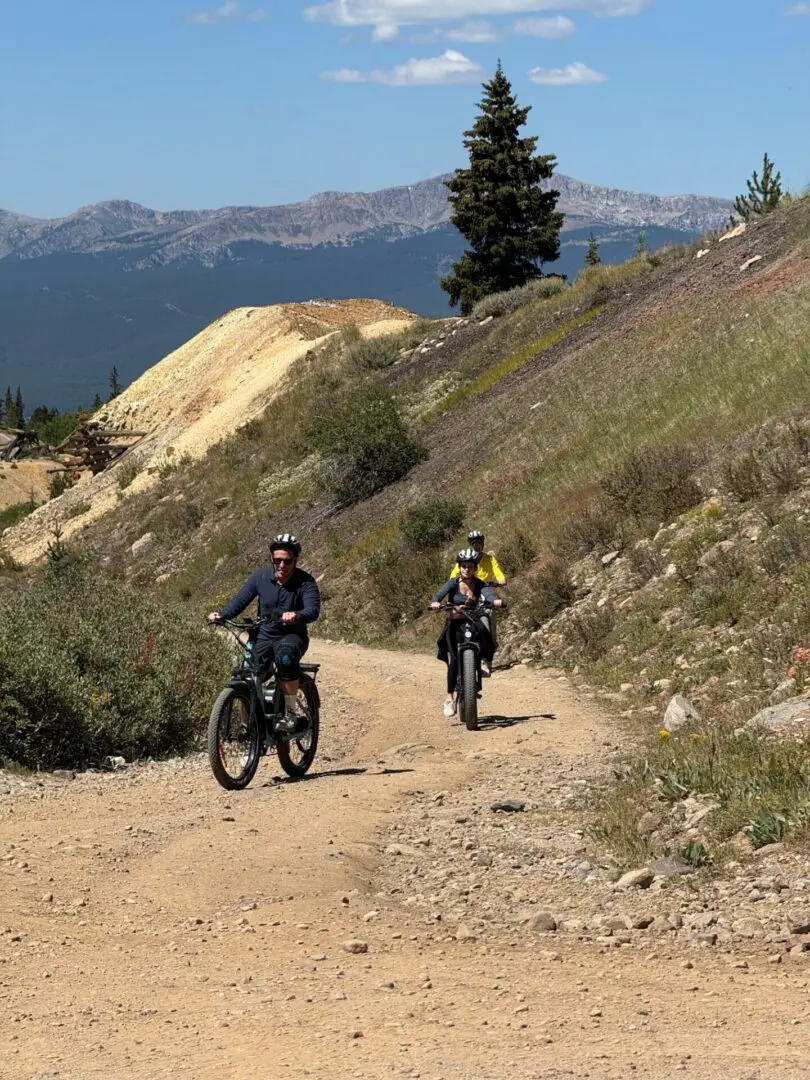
90,667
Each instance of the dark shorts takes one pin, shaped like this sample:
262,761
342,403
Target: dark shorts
286,651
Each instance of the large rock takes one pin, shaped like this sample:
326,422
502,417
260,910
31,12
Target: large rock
636,879
680,712
144,545
775,717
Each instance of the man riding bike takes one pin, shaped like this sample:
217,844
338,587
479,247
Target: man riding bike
488,569
465,590
289,599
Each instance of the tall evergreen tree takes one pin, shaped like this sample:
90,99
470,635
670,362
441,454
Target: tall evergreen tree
509,221
764,192
641,244
12,409
97,403
115,385
18,405
592,256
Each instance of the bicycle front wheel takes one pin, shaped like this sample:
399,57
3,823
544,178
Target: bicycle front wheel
233,739
469,690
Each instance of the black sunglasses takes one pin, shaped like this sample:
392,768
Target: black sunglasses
283,562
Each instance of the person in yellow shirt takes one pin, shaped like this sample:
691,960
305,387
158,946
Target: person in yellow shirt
488,569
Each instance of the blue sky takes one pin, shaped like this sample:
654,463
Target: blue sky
201,103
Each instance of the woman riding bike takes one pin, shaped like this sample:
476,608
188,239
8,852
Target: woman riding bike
464,591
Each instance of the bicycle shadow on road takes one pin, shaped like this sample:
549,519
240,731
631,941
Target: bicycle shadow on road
326,774
497,721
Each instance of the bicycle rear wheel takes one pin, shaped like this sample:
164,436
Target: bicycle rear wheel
469,690
233,739
297,753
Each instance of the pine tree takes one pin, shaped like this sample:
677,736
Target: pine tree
97,403
509,221
592,256
12,409
115,385
18,405
641,245
764,193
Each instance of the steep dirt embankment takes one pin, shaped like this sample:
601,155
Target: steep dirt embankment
383,918
197,396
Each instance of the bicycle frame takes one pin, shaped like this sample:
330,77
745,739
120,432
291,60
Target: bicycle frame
246,676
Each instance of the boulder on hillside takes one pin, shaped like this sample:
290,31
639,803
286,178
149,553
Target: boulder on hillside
680,712
143,545
776,717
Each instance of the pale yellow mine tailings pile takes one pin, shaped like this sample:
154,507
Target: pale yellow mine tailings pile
197,396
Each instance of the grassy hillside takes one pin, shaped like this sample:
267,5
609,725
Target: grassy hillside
635,447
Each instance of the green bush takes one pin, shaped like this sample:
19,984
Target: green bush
517,553
743,477
89,668
503,303
653,484
403,584
593,528
11,515
358,428
432,524
546,591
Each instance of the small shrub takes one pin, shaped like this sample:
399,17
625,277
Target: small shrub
503,303
126,472
547,590
359,429
588,631
402,584
432,524
79,509
787,546
517,554
743,477
782,469
11,515
594,528
646,561
652,484
375,354
59,483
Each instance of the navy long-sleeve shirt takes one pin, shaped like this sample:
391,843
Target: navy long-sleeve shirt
459,599
300,594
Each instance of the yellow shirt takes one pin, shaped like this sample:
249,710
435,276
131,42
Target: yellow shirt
488,570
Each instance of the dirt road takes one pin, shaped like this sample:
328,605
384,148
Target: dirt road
152,925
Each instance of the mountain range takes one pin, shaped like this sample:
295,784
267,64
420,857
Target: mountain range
120,284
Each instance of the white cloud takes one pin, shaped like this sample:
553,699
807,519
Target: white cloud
577,74
450,67
558,26
473,32
798,9
385,32
415,12
228,11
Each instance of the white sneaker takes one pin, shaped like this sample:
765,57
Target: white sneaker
485,668
449,709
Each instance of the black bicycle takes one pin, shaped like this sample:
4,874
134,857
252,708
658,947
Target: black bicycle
243,724
468,661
